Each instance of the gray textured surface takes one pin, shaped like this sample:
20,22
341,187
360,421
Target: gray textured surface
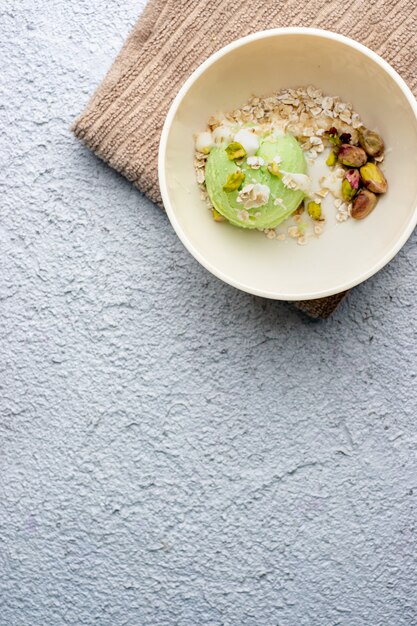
174,451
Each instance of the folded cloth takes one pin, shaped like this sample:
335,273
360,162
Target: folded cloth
123,120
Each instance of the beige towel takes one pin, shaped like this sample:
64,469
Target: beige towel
123,120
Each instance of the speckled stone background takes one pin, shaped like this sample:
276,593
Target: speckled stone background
172,451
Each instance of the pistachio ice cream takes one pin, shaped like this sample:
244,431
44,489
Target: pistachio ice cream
258,198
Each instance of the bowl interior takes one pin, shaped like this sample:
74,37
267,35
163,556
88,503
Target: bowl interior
346,253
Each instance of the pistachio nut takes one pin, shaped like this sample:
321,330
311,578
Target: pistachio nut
234,181
273,169
371,142
352,156
363,204
354,178
333,137
348,192
314,211
218,217
331,159
235,150
350,185
373,178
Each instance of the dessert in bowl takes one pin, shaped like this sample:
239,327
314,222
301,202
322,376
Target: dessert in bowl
264,187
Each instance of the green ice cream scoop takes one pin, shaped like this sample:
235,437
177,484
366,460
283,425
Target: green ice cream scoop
282,201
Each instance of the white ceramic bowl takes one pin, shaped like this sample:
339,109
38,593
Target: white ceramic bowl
346,254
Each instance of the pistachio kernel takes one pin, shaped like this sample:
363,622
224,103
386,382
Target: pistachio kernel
331,159
218,217
350,185
273,169
363,204
314,211
333,137
354,178
235,150
371,142
373,178
234,181
352,156
348,192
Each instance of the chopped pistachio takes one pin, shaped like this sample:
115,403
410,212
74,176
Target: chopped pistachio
314,211
333,137
234,181
273,169
218,217
331,159
235,150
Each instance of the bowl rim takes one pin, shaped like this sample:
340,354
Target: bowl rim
213,58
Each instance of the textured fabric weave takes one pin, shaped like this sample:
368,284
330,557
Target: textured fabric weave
123,120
